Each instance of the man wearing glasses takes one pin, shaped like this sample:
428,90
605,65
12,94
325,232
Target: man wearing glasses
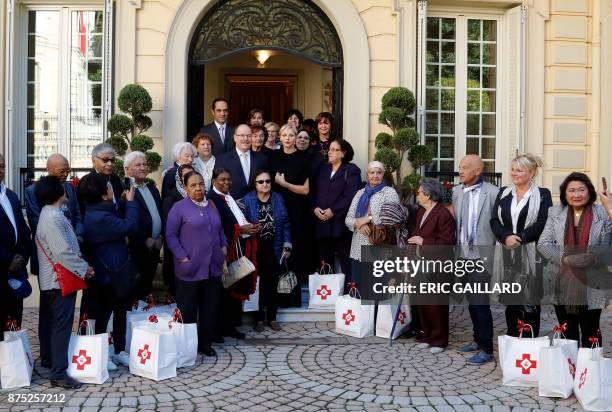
103,157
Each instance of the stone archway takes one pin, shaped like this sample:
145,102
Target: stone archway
349,27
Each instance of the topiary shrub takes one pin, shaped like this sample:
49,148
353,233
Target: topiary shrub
126,130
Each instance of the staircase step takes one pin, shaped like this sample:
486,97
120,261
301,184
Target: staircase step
304,314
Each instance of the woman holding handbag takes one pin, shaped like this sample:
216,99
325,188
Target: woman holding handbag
104,238
57,246
274,243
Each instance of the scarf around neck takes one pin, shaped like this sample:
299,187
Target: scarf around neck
364,200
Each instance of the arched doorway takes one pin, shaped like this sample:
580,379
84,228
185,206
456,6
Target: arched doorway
295,35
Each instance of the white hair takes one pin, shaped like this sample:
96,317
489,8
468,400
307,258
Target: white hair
103,148
375,164
181,147
131,157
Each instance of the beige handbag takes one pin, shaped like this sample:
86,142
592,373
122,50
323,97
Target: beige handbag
238,269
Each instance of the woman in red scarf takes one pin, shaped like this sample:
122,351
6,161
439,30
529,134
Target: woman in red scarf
576,237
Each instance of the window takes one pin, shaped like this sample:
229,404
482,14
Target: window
64,84
461,85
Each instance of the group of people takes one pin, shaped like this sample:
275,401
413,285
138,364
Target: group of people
285,205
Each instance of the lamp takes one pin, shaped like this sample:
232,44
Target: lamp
262,56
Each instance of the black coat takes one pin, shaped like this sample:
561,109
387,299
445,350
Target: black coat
117,185
145,222
231,162
228,220
9,246
218,147
169,181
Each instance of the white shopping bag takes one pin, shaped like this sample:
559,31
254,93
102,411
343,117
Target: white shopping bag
324,287
252,303
557,366
88,357
386,316
593,382
16,361
139,315
153,349
353,318
186,340
519,359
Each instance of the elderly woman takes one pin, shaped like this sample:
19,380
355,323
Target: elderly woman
576,237
258,138
205,161
272,130
365,209
435,225
199,261
57,243
104,234
337,183
267,209
184,153
518,219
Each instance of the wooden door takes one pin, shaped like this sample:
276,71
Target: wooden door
274,94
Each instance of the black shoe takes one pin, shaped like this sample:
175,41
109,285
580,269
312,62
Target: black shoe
259,327
408,334
208,351
45,363
66,383
234,333
218,339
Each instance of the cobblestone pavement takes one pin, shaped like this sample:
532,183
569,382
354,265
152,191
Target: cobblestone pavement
309,367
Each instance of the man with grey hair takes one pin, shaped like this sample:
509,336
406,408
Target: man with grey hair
103,158
147,242
473,202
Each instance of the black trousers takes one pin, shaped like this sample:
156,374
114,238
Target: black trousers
480,312
528,314
103,302
198,302
146,262
329,247
10,307
55,328
230,313
582,325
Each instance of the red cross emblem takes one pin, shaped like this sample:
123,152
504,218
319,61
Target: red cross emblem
572,367
144,354
348,317
81,359
582,378
401,317
526,364
323,292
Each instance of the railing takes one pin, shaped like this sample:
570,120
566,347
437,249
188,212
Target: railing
453,177
27,176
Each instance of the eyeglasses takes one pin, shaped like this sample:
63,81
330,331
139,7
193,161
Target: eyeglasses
261,182
243,135
107,159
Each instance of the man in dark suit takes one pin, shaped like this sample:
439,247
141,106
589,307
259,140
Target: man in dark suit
58,166
147,242
219,129
15,250
103,157
242,163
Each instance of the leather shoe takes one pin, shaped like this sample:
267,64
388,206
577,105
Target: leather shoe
275,326
66,383
218,339
208,351
234,333
259,326
45,363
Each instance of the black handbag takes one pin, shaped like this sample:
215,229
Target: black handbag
124,279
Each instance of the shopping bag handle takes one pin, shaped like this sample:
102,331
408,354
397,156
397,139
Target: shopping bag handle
89,330
169,299
322,268
524,327
594,340
353,291
11,325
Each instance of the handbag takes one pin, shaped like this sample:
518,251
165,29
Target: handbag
381,234
68,281
124,279
287,281
238,269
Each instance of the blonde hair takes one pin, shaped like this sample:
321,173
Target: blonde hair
272,124
288,127
530,162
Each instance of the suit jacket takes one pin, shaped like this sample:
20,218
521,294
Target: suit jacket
145,222
503,228
486,201
231,162
219,147
33,214
335,193
438,228
9,246
169,180
117,185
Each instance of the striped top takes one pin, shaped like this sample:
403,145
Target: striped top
57,236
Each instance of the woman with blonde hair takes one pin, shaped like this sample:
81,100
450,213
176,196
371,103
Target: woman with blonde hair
519,215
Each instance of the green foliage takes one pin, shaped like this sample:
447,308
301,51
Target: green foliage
405,139
389,158
410,184
420,155
119,170
142,143
399,97
135,100
383,140
143,123
153,161
393,117
119,143
120,124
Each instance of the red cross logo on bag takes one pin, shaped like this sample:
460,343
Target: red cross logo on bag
572,367
348,317
526,364
401,317
323,292
144,354
582,378
81,359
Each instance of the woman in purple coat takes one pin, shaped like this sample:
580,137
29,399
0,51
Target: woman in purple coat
195,236
337,183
